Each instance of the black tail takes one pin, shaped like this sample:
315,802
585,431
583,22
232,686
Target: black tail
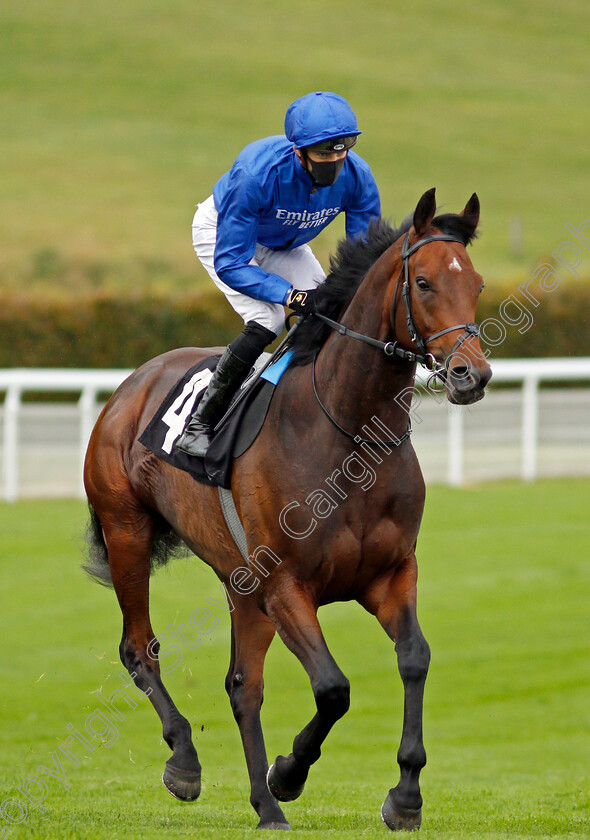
98,560
166,545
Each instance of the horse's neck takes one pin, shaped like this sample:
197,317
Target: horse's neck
358,381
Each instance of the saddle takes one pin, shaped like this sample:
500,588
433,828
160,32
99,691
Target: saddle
237,433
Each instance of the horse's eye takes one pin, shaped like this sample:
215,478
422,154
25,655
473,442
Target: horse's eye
422,284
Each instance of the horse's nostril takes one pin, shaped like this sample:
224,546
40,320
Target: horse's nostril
461,375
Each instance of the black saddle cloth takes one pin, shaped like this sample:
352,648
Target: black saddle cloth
233,439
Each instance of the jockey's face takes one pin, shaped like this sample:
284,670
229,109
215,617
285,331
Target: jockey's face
319,157
324,165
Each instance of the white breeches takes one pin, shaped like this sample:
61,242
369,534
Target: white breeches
299,267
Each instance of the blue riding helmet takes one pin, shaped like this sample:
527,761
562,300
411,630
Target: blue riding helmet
320,116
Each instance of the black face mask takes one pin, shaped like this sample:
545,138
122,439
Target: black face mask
325,173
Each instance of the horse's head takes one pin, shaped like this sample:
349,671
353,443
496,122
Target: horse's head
436,295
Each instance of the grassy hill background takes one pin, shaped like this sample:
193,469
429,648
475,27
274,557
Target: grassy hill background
119,116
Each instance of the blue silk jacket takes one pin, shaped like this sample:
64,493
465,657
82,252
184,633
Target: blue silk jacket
268,198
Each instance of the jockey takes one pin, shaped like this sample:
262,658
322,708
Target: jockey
251,235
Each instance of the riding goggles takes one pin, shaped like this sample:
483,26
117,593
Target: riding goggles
333,144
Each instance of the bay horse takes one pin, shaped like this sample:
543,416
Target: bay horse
339,510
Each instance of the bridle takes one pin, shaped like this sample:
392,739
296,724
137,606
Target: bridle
393,348
471,328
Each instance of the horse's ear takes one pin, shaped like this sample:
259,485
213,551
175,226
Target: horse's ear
471,212
424,212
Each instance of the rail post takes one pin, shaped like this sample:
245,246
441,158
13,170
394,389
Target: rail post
530,426
455,437
12,404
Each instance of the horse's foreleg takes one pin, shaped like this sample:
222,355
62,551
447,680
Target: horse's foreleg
252,633
296,620
393,602
129,544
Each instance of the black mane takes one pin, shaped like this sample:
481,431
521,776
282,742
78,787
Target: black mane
348,267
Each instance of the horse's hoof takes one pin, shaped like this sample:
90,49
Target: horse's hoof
280,826
400,819
277,784
183,784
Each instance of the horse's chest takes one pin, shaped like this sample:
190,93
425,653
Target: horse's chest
351,552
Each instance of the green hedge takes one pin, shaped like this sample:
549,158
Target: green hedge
558,325
107,330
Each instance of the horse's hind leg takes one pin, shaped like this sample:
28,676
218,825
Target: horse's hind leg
128,534
252,633
393,602
295,617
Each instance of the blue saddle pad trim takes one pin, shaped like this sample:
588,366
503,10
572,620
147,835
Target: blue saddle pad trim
274,372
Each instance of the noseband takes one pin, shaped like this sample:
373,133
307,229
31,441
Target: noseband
392,348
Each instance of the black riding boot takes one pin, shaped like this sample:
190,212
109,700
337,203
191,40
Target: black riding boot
228,376
232,369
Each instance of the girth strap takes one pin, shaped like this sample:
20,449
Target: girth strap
233,521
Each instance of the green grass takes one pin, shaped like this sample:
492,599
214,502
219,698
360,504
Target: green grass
119,116
503,600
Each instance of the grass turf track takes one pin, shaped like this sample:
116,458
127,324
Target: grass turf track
503,599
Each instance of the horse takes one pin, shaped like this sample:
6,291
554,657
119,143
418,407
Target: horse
331,509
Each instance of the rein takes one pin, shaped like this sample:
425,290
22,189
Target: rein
392,348
355,438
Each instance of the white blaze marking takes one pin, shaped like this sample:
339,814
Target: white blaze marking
454,266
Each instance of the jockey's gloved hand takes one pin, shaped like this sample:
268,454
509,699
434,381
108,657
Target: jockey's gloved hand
302,302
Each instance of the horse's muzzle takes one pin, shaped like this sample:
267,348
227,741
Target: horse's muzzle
466,383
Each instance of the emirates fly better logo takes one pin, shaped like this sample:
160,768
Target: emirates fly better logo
304,219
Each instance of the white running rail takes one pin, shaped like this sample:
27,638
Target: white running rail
89,385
